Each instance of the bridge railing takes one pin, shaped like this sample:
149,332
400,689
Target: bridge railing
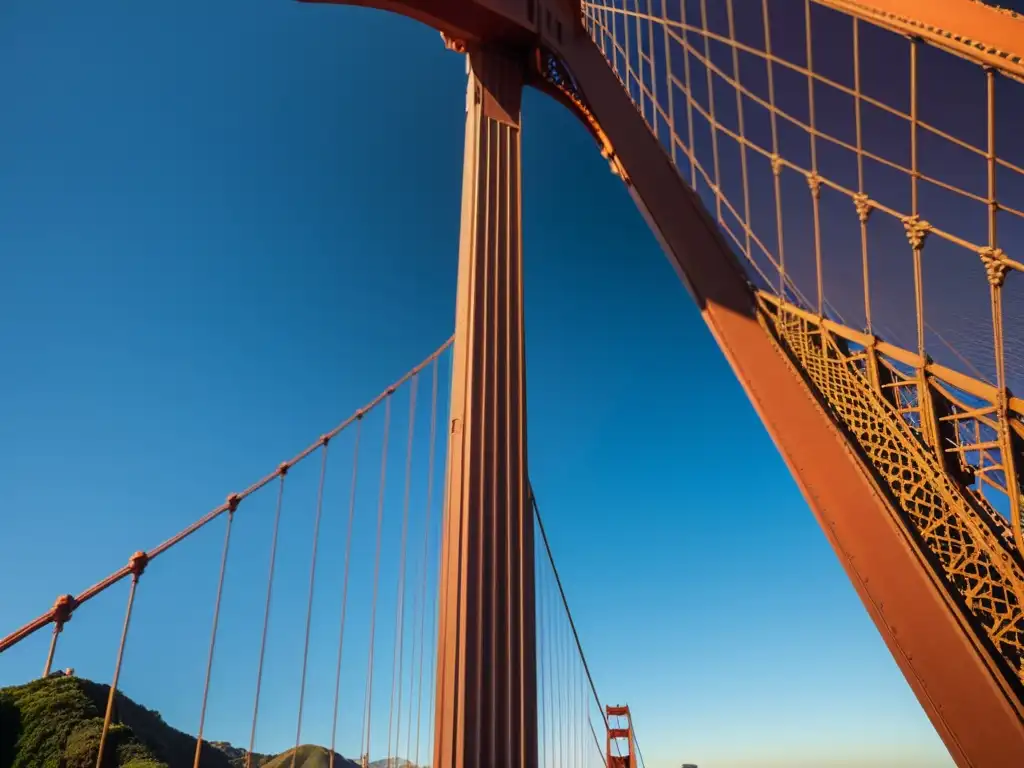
866,169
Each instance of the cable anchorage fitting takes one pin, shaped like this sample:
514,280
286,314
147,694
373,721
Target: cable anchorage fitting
232,502
62,609
283,469
137,564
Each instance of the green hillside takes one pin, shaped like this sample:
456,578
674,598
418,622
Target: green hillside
56,722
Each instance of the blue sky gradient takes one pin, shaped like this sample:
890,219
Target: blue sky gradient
223,227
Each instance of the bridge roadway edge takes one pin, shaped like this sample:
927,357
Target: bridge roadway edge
964,696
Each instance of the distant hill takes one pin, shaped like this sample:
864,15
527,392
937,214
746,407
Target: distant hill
56,722
237,755
310,756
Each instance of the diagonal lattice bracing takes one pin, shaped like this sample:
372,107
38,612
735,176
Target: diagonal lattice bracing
960,536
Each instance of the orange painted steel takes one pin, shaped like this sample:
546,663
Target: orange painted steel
962,681
974,30
487,668
796,366
939,416
613,753
945,496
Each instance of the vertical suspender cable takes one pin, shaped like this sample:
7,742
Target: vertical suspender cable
344,588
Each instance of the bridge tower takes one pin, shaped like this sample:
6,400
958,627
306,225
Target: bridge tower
620,752
486,677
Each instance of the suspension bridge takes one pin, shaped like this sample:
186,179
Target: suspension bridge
854,243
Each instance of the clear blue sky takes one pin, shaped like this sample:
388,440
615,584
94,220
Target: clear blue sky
225,226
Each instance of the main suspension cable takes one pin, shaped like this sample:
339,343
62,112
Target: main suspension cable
60,612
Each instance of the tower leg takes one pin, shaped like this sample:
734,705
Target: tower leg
486,676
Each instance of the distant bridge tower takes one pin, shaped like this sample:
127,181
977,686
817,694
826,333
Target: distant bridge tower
620,750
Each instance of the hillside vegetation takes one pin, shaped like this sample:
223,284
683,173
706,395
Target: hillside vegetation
56,722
